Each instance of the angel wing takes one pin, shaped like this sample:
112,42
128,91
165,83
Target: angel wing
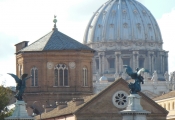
23,76
142,70
130,72
15,77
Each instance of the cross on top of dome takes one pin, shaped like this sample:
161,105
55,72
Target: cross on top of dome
55,21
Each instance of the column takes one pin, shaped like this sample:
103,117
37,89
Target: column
133,60
163,64
103,63
161,60
149,62
116,62
99,55
93,65
152,61
166,62
120,62
137,60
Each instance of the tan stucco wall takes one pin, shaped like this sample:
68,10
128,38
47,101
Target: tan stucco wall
169,105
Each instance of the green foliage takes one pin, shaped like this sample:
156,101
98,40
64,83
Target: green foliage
5,95
5,114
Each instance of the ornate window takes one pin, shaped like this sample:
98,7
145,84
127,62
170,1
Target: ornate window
85,76
61,75
120,99
34,73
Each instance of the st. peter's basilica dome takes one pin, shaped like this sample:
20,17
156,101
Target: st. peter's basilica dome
122,20
124,32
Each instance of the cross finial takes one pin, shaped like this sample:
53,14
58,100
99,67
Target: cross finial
55,21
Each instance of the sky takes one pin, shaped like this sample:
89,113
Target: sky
29,20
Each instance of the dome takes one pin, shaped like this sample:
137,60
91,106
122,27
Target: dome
103,79
122,20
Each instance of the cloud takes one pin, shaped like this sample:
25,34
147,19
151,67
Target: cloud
167,26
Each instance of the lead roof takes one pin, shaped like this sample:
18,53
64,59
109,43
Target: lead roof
55,40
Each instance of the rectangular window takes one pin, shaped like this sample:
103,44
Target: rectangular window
34,73
97,63
111,62
85,77
141,62
126,61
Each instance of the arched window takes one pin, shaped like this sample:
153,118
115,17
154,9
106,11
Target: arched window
85,77
20,70
34,73
61,75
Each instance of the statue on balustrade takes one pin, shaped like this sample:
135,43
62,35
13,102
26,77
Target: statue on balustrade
166,76
172,76
20,85
137,76
154,77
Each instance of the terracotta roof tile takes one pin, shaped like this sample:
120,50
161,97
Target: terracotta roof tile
165,96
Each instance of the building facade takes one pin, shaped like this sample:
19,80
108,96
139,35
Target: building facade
167,101
60,68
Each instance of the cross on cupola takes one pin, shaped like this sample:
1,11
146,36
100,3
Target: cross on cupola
55,21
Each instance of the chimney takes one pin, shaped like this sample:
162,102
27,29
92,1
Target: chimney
62,105
48,108
21,45
78,101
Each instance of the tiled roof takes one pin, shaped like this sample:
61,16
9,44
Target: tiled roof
70,109
165,96
55,40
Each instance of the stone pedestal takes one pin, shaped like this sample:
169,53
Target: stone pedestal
134,110
20,112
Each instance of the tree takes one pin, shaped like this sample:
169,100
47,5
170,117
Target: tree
5,95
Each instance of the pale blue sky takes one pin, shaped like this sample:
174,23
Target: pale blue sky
31,19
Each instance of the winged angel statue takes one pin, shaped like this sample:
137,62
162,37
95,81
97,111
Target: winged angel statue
20,85
137,76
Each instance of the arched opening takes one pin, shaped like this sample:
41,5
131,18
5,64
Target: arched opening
34,73
61,75
85,76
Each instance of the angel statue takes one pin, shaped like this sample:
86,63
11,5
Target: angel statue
20,85
137,76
